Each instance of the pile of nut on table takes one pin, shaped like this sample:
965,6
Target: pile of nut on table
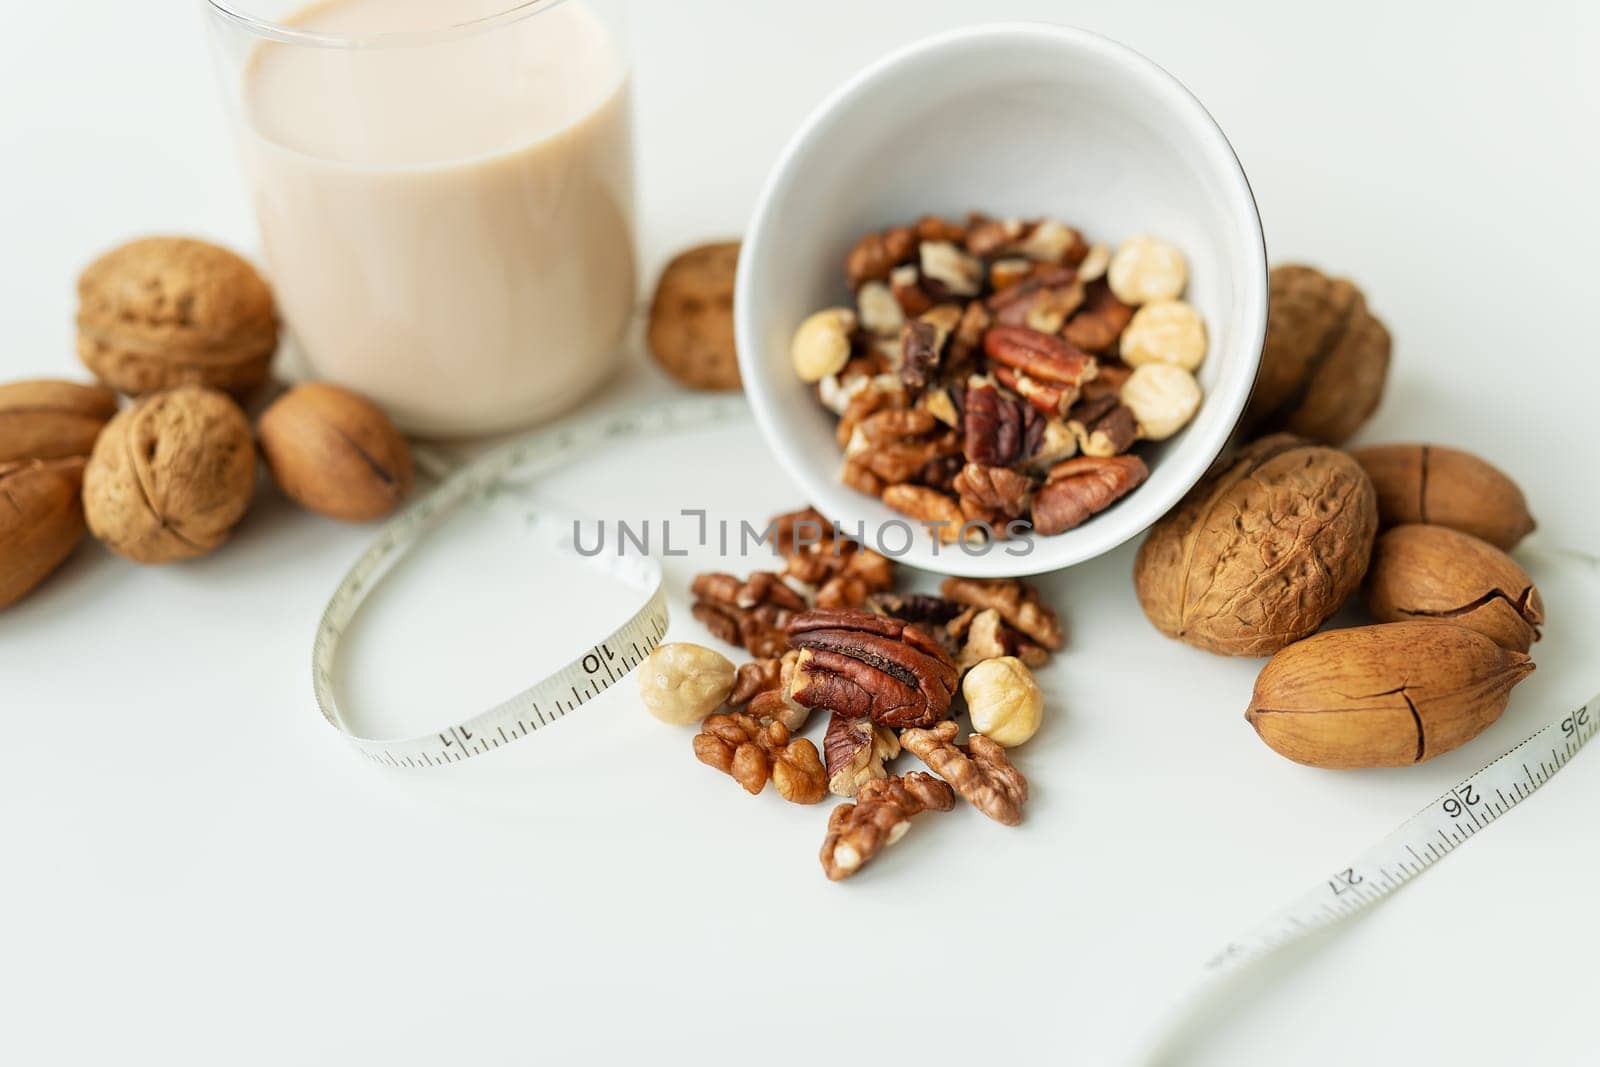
829,633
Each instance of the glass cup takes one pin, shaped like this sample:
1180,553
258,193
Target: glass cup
444,190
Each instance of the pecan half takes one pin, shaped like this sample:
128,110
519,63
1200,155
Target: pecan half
1039,356
979,770
1017,602
856,751
879,817
997,429
860,664
1081,488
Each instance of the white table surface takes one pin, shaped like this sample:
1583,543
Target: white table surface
197,871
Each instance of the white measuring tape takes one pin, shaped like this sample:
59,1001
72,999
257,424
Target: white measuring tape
1466,809
592,672
1460,814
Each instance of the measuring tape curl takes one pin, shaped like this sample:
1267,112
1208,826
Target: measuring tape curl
598,667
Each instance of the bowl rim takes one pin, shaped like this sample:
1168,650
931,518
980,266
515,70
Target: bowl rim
1048,553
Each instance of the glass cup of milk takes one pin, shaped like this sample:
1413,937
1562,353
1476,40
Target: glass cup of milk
445,195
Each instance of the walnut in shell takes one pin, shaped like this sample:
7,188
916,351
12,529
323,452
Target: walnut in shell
1325,360
171,476
1263,551
335,453
168,311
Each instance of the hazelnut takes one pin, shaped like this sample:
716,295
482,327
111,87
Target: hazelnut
1145,270
1003,700
168,311
52,420
1167,331
683,683
170,477
821,345
335,453
1162,397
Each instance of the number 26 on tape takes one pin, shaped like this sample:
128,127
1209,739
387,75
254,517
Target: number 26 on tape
1457,806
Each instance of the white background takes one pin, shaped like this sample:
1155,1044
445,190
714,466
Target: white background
197,871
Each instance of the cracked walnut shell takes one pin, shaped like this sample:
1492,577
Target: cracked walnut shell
167,311
1263,551
171,476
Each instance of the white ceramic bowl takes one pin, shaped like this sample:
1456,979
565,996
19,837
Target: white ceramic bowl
1014,120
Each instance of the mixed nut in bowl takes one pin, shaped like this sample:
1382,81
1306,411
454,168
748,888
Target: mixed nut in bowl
1067,149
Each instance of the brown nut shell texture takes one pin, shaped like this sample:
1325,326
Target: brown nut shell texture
41,522
171,476
1436,573
1446,487
52,420
1262,552
166,311
1383,696
335,453
1325,360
